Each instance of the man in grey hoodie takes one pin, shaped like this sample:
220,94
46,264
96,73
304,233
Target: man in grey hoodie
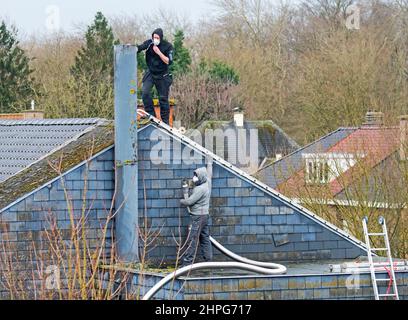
199,204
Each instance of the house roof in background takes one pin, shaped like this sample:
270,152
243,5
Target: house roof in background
375,143
272,139
24,142
281,170
76,140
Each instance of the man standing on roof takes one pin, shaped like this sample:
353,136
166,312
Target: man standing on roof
199,204
159,56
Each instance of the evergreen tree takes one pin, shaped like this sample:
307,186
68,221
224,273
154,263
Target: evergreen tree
16,83
219,71
93,69
182,59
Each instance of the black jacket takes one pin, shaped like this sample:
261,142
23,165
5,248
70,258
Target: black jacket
154,63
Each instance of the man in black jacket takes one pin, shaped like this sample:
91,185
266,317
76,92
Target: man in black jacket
159,56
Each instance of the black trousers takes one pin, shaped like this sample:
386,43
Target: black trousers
162,84
198,241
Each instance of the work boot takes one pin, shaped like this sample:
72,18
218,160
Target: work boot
144,120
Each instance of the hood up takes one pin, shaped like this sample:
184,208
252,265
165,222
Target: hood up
202,175
159,32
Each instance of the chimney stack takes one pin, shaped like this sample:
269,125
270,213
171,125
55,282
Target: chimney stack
238,117
374,119
126,156
33,114
404,137
25,115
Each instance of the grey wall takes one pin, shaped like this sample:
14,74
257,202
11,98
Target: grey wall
23,225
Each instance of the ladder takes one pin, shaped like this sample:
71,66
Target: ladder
380,266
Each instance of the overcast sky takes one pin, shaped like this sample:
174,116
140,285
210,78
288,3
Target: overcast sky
32,16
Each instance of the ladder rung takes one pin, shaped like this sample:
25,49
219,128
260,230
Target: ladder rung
379,249
382,279
387,295
376,234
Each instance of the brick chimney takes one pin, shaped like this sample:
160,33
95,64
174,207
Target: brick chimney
404,137
374,119
25,115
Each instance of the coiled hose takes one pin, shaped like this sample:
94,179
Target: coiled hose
241,263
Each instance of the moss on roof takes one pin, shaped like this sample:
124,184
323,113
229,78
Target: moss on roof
38,174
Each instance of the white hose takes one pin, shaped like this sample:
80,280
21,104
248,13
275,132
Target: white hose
242,263
273,268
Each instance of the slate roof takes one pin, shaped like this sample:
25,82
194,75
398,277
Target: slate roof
23,142
74,141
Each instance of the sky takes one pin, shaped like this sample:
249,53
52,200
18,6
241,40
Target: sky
43,16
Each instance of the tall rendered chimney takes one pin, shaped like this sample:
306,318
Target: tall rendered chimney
126,201
404,137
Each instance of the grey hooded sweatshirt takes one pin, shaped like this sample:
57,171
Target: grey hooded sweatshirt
199,201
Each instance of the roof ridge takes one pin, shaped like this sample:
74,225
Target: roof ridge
277,127
90,128
103,140
65,173
62,121
175,133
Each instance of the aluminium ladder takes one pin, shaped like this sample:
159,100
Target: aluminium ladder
388,264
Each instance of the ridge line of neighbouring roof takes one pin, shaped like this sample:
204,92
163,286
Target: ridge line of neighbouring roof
91,127
279,128
54,179
306,212
307,146
47,122
292,141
